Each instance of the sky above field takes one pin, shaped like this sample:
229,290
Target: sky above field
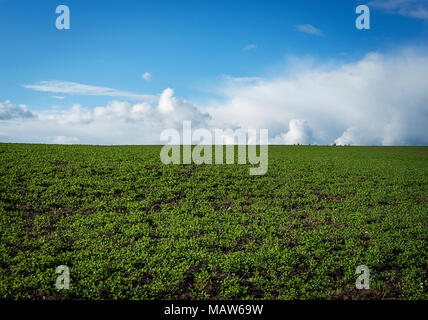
126,70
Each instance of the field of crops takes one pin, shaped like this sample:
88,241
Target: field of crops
130,227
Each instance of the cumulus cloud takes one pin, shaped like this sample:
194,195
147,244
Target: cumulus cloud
166,101
308,28
147,76
299,132
118,122
124,110
173,111
75,115
409,8
8,111
83,89
351,135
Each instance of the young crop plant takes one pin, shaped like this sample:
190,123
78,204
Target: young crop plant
128,226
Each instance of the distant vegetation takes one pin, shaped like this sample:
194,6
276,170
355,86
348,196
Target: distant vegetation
130,227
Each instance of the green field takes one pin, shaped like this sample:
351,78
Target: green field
130,227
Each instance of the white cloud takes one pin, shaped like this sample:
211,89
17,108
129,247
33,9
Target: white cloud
351,135
410,8
383,95
123,110
380,99
299,133
119,122
173,111
308,28
239,80
8,111
147,76
65,140
58,97
250,46
166,102
76,115
83,89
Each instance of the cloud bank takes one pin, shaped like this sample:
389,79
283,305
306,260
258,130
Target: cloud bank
382,99
118,122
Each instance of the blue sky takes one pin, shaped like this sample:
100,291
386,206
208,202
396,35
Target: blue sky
189,46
